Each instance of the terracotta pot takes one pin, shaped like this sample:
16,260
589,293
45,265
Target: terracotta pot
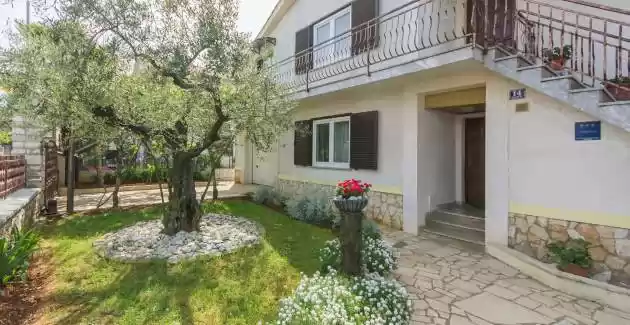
620,92
576,269
557,64
347,205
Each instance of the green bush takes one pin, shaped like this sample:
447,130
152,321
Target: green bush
15,255
574,251
5,137
268,195
314,209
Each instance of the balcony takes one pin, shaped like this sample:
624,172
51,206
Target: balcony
423,34
407,39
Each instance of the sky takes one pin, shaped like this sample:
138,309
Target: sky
252,15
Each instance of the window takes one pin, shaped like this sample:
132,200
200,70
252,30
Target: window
331,142
327,51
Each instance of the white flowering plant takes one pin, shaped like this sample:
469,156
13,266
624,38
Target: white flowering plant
332,299
376,255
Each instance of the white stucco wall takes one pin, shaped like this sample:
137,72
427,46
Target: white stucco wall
548,168
436,159
389,102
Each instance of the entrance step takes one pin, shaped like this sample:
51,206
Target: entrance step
457,221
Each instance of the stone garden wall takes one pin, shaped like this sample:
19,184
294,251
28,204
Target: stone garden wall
19,210
384,208
610,246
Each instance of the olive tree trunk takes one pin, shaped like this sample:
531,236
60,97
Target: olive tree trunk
184,212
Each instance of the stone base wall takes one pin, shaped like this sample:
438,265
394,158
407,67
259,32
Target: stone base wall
19,210
610,246
384,208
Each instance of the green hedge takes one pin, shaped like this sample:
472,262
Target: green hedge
149,174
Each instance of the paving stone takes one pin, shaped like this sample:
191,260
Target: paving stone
459,320
605,318
502,292
467,286
438,305
531,304
477,320
552,313
548,301
498,310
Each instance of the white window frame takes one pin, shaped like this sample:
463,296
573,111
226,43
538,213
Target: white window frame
331,143
331,34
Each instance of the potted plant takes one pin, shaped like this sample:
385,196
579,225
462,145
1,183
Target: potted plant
572,256
619,87
351,195
351,199
558,56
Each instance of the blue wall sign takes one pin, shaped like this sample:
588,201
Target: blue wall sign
517,94
585,131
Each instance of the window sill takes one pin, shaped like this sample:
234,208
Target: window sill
328,168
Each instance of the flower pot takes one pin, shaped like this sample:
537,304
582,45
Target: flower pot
576,269
557,64
620,92
356,204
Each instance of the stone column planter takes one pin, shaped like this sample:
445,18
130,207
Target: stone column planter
350,232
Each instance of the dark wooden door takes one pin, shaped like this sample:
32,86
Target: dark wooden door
475,161
497,27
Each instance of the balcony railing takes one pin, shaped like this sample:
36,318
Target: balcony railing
410,32
598,37
12,174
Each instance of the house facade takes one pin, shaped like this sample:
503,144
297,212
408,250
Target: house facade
500,122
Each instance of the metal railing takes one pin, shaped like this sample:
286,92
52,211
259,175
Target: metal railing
597,38
399,35
12,174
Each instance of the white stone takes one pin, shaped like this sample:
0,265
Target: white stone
604,276
144,240
622,246
574,234
459,320
498,310
621,233
609,319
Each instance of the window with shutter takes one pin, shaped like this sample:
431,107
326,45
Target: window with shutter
304,50
331,39
364,140
364,25
302,150
331,142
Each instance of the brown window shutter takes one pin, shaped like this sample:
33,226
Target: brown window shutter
303,143
304,50
364,26
364,140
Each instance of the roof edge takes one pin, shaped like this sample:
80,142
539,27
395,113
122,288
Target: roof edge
278,12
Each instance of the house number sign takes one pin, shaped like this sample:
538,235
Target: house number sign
517,94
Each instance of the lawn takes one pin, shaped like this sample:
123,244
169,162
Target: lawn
240,288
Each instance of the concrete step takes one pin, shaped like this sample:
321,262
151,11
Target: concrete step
453,217
468,234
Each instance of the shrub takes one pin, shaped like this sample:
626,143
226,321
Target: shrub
332,299
370,229
574,251
15,255
315,209
267,195
376,255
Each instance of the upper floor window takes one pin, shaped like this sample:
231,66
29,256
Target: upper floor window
329,40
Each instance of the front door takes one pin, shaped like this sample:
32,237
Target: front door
475,161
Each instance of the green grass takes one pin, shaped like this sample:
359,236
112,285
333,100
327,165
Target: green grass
239,288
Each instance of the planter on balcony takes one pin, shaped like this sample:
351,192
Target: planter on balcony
619,91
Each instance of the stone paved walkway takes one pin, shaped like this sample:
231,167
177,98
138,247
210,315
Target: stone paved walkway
455,284
84,202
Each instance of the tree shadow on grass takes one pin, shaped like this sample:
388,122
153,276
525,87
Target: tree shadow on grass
297,241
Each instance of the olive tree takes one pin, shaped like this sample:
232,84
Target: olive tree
196,83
